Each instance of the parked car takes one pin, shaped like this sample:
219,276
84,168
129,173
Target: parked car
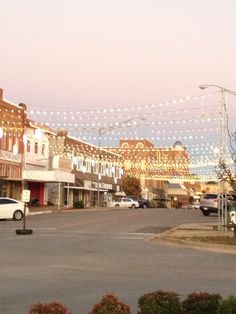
142,201
210,202
12,209
125,202
194,205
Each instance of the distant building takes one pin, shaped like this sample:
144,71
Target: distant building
155,167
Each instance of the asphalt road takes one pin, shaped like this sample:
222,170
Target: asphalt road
76,257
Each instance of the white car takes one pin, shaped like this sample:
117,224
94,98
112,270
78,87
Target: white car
125,202
12,209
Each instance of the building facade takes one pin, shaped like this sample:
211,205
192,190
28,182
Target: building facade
156,167
40,170
12,125
97,171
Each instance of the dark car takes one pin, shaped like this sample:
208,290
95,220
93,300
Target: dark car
143,203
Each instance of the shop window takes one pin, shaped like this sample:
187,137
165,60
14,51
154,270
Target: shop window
43,149
36,147
28,146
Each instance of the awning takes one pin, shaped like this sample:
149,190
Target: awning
120,194
174,189
83,188
48,176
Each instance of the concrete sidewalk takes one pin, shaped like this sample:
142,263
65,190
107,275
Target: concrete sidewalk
36,210
181,235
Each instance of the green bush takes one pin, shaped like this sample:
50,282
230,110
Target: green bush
157,204
227,306
48,308
78,204
161,204
201,303
159,302
110,304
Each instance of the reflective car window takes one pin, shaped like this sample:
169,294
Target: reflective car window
7,201
210,196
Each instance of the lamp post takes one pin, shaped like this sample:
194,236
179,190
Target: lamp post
222,205
102,131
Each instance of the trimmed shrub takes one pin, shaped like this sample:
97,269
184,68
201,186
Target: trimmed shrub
159,302
48,308
201,303
110,304
227,306
161,204
78,204
157,204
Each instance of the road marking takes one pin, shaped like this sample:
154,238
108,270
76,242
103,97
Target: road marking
129,238
84,234
1,229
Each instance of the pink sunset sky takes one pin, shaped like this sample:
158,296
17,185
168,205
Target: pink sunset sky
109,53
68,59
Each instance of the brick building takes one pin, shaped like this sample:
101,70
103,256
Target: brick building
156,167
12,125
97,171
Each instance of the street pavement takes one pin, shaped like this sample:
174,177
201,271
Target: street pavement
76,256
176,236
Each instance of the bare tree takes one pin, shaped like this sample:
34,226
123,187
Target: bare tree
225,175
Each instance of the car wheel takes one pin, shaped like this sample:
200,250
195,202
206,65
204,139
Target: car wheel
206,213
144,206
133,206
18,215
117,205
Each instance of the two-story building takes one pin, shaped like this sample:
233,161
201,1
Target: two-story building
12,125
43,171
97,171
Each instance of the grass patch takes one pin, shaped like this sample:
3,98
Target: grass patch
225,240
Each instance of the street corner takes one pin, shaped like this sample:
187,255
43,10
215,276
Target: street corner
191,236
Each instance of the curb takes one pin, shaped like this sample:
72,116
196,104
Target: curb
219,248
40,212
171,238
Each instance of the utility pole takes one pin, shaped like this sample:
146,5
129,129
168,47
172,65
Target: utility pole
223,148
102,131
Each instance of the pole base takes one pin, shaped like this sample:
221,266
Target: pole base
24,231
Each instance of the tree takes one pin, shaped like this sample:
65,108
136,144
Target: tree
131,186
225,175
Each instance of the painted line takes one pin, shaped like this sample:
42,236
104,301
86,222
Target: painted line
2,229
129,238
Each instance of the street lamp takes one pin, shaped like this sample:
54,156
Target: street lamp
222,206
219,87
103,130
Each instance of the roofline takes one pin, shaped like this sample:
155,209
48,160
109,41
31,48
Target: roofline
11,103
86,143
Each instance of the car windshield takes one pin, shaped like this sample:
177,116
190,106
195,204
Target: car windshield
210,196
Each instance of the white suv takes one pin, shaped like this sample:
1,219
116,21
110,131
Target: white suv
12,209
210,201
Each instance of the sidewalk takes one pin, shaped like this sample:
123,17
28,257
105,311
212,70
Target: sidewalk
179,236
36,210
